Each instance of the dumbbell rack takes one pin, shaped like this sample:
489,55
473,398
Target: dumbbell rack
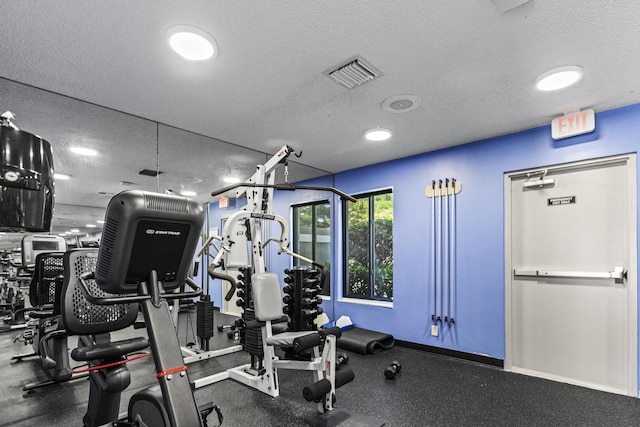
251,339
302,300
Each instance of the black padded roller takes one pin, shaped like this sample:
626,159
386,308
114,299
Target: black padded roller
343,377
335,330
307,341
315,391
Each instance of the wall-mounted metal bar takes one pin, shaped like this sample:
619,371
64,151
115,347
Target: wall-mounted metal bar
442,262
445,254
452,258
432,258
618,273
438,255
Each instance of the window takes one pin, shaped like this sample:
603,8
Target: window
312,236
369,246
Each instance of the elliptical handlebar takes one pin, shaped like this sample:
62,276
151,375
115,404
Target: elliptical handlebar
132,298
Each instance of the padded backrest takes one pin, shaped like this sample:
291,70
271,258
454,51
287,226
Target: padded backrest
42,290
267,300
80,317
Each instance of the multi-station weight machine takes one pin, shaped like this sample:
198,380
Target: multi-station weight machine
260,295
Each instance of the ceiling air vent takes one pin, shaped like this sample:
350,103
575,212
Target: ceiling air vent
353,72
148,172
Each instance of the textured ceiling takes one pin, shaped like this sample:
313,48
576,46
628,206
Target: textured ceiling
472,65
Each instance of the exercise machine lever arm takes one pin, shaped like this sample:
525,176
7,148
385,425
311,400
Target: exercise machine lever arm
284,187
215,275
284,242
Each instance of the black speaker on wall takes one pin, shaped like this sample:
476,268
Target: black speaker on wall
26,181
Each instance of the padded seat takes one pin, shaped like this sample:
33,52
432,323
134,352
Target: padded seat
286,339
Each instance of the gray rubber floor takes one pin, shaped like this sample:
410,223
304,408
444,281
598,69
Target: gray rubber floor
431,390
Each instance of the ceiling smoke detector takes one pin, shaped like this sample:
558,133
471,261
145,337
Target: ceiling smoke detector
353,72
401,103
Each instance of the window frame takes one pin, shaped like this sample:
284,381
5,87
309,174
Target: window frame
314,235
346,286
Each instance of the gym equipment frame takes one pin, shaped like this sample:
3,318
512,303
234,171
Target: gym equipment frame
266,296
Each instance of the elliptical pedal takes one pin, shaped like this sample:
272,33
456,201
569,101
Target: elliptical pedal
206,410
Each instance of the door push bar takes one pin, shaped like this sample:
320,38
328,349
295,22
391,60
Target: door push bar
618,274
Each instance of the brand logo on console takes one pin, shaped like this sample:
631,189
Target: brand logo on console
163,232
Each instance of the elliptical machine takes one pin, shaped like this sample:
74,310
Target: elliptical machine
47,335
147,247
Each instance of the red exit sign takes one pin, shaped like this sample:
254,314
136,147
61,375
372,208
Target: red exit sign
573,124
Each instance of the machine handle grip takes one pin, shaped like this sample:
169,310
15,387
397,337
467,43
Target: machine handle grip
215,275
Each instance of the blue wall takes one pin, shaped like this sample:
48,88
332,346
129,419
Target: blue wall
480,167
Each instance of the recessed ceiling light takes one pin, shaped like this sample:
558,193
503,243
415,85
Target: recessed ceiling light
75,230
83,151
188,193
61,176
231,180
192,43
192,180
559,78
100,221
91,225
378,134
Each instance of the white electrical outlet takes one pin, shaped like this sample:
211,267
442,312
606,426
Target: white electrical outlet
434,330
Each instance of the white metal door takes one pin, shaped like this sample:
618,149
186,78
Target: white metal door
571,307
